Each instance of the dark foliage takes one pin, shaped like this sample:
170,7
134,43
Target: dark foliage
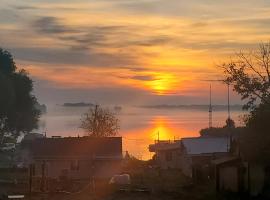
222,132
230,123
250,76
256,141
17,104
249,73
228,130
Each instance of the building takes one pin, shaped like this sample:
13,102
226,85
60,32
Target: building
233,174
191,155
77,157
198,152
230,174
167,153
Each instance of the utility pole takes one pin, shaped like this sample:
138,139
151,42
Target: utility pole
210,107
31,172
229,111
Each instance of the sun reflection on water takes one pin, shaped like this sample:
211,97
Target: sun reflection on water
159,127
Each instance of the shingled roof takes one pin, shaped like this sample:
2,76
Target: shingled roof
77,147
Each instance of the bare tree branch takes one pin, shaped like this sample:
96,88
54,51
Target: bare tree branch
249,74
100,122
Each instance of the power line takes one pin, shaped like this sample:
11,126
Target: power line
134,139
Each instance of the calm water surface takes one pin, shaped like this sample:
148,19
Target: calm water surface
139,126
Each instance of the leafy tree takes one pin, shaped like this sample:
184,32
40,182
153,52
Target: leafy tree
229,123
17,104
256,141
225,131
100,122
249,73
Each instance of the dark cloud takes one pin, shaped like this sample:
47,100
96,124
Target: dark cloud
89,37
214,45
140,77
25,7
51,25
69,57
79,37
134,68
92,36
144,78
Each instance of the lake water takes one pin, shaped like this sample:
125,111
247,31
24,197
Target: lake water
139,126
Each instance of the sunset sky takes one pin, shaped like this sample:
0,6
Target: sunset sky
130,51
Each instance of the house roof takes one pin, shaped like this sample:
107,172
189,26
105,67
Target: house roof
201,145
225,160
77,147
165,146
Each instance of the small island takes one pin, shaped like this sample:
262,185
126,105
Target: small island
79,104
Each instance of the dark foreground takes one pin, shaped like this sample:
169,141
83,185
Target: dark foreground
146,184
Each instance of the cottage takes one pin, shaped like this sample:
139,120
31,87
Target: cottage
167,153
197,154
236,175
77,157
230,174
191,155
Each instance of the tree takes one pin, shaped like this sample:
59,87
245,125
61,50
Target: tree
100,122
17,103
256,140
249,73
227,130
229,123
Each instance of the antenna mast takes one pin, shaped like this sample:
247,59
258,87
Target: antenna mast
229,111
210,108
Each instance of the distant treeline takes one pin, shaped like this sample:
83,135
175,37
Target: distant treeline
80,104
194,107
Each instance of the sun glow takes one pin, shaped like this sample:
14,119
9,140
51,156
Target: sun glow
163,83
161,129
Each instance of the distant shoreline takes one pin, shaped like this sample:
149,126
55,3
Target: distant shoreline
194,107
80,104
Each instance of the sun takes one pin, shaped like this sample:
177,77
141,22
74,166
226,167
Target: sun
164,83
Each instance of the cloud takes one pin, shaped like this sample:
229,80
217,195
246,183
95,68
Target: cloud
25,7
144,77
139,77
260,23
51,25
8,16
69,57
129,39
153,40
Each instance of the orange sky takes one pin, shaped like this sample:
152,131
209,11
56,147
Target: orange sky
151,47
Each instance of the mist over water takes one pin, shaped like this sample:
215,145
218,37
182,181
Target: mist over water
139,126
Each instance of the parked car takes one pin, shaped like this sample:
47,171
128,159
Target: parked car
123,179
